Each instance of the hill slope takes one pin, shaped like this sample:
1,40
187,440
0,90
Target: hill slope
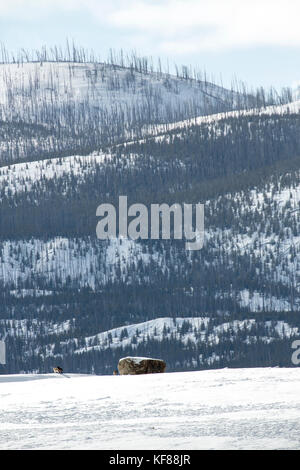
61,287
65,107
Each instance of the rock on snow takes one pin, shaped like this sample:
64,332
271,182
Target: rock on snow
141,365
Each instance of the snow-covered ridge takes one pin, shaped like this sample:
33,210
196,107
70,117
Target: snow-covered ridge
25,177
108,86
21,177
98,100
154,329
190,330
59,106
185,331
293,107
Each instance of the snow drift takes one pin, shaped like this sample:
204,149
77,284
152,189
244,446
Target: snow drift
216,409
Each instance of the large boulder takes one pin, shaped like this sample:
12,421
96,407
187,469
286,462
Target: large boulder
140,365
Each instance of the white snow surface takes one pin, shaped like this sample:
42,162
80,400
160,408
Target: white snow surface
217,409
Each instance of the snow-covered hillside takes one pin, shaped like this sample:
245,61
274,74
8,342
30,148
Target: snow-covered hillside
256,232
102,84
213,119
187,330
221,409
85,262
74,136
23,177
50,108
200,339
76,81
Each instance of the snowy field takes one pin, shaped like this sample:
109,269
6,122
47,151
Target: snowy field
221,409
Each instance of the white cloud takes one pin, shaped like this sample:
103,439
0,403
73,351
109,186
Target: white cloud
214,24
34,9
181,26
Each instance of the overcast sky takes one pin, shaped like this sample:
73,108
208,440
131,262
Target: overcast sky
256,40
